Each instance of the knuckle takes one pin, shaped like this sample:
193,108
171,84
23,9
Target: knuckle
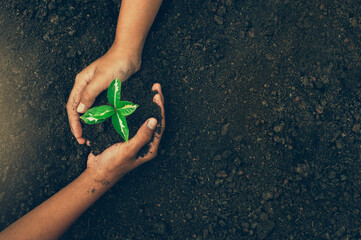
126,150
70,108
78,77
87,95
68,105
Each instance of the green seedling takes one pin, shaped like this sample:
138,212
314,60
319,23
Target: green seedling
117,111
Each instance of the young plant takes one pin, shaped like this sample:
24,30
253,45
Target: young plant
118,111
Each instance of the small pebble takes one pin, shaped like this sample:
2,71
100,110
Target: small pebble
343,177
55,19
224,130
278,128
356,128
218,19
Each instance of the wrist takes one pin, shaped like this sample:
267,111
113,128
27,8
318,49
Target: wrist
99,179
130,58
104,176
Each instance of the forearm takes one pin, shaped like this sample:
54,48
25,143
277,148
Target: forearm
134,22
53,217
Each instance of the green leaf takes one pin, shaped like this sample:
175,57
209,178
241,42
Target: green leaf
120,124
114,93
126,108
98,114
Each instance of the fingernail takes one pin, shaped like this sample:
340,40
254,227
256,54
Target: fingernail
81,108
152,123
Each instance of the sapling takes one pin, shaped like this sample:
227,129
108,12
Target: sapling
117,111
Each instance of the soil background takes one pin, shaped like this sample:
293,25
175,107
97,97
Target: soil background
262,107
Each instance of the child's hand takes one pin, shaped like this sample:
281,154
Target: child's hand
121,158
94,79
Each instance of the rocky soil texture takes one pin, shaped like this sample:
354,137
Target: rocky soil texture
263,112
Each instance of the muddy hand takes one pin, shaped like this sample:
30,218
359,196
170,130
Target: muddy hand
121,158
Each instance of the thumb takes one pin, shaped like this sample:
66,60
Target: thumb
144,135
92,90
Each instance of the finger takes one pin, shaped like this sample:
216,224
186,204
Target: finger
153,150
158,88
71,107
158,100
92,90
152,153
143,136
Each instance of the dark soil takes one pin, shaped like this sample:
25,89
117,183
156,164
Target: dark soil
262,106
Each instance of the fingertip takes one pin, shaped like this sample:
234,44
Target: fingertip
157,99
81,108
76,129
152,123
81,140
144,134
156,87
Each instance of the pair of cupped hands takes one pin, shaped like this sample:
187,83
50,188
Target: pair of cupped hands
120,158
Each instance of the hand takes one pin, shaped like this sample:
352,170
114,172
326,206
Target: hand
94,79
121,158
51,218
